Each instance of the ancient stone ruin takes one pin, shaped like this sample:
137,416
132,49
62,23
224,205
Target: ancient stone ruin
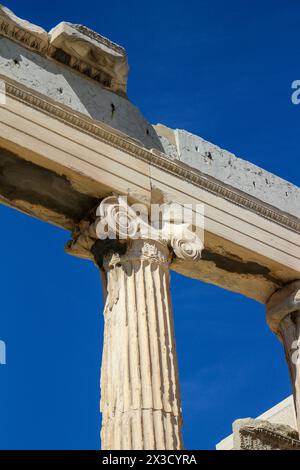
76,153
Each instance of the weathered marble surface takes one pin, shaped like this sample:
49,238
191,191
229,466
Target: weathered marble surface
98,90
231,170
282,413
140,400
75,45
252,434
68,88
23,31
141,410
77,68
90,53
140,394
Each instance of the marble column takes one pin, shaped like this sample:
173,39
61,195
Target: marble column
140,397
283,317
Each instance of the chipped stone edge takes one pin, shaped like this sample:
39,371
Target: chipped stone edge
21,31
255,427
231,170
38,40
61,39
88,34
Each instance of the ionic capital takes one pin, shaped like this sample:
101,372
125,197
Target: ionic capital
281,304
117,222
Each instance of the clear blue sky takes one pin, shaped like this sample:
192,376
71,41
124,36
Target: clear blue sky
222,70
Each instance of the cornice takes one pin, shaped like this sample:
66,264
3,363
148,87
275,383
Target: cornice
153,157
18,32
99,38
111,70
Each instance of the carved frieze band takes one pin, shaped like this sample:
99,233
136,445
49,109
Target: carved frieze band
154,157
11,30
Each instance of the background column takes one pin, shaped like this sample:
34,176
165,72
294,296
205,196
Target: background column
283,317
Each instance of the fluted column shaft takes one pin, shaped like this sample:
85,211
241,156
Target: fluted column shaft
140,399
283,317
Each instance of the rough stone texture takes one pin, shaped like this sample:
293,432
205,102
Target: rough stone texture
30,186
282,413
33,36
91,53
140,397
252,434
226,167
68,88
236,255
140,391
98,90
75,45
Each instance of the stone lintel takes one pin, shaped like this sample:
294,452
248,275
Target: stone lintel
282,303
